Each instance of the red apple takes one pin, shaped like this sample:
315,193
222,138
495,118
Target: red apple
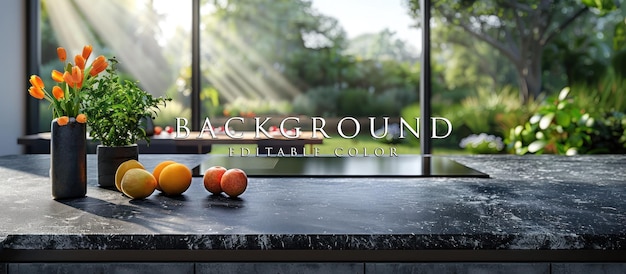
212,179
169,129
234,182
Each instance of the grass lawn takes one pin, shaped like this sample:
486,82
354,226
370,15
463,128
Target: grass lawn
360,144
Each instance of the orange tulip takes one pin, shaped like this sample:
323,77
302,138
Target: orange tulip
62,54
58,92
57,76
77,76
87,51
36,92
67,77
36,81
96,70
63,120
98,65
81,118
79,61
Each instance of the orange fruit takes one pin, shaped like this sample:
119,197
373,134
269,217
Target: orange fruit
138,183
157,171
175,179
234,182
212,179
121,170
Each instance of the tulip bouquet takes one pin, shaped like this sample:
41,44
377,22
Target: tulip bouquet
65,97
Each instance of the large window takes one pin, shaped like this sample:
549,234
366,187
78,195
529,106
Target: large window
492,64
308,58
257,58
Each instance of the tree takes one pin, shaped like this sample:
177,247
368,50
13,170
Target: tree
268,49
470,64
382,46
518,29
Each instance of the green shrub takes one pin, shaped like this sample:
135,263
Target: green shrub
354,102
482,144
608,95
242,106
317,101
610,134
563,126
392,101
490,112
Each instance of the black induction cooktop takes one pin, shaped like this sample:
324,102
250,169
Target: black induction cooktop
331,166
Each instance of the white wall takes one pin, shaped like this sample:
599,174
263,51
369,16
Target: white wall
13,80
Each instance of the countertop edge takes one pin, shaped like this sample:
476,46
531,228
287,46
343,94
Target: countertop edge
314,242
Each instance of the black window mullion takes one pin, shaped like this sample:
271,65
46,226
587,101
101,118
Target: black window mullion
195,66
425,83
33,59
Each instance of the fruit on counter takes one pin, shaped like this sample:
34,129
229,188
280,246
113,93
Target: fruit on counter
169,129
156,172
158,130
138,183
174,179
121,170
234,182
212,179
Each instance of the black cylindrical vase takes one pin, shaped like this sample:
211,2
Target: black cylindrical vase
68,159
109,158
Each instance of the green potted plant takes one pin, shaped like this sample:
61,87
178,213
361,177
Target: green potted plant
117,110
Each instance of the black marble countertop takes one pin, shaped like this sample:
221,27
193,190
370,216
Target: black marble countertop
529,203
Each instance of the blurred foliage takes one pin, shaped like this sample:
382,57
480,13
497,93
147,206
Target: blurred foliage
490,111
381,46
356,102
608,94
619,62
268,43
245,107
482,144
520,32
317,101
209,96
167,115
576,58
570,125
610,134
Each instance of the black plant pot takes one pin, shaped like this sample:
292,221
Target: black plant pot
109,158
68,160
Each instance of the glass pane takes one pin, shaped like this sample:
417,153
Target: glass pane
498,63
150,38
331,59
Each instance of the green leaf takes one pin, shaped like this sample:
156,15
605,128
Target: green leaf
563,94
546,120
563,119
576,140
518,130
619,36
535,119
536,146
571,151
602,5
